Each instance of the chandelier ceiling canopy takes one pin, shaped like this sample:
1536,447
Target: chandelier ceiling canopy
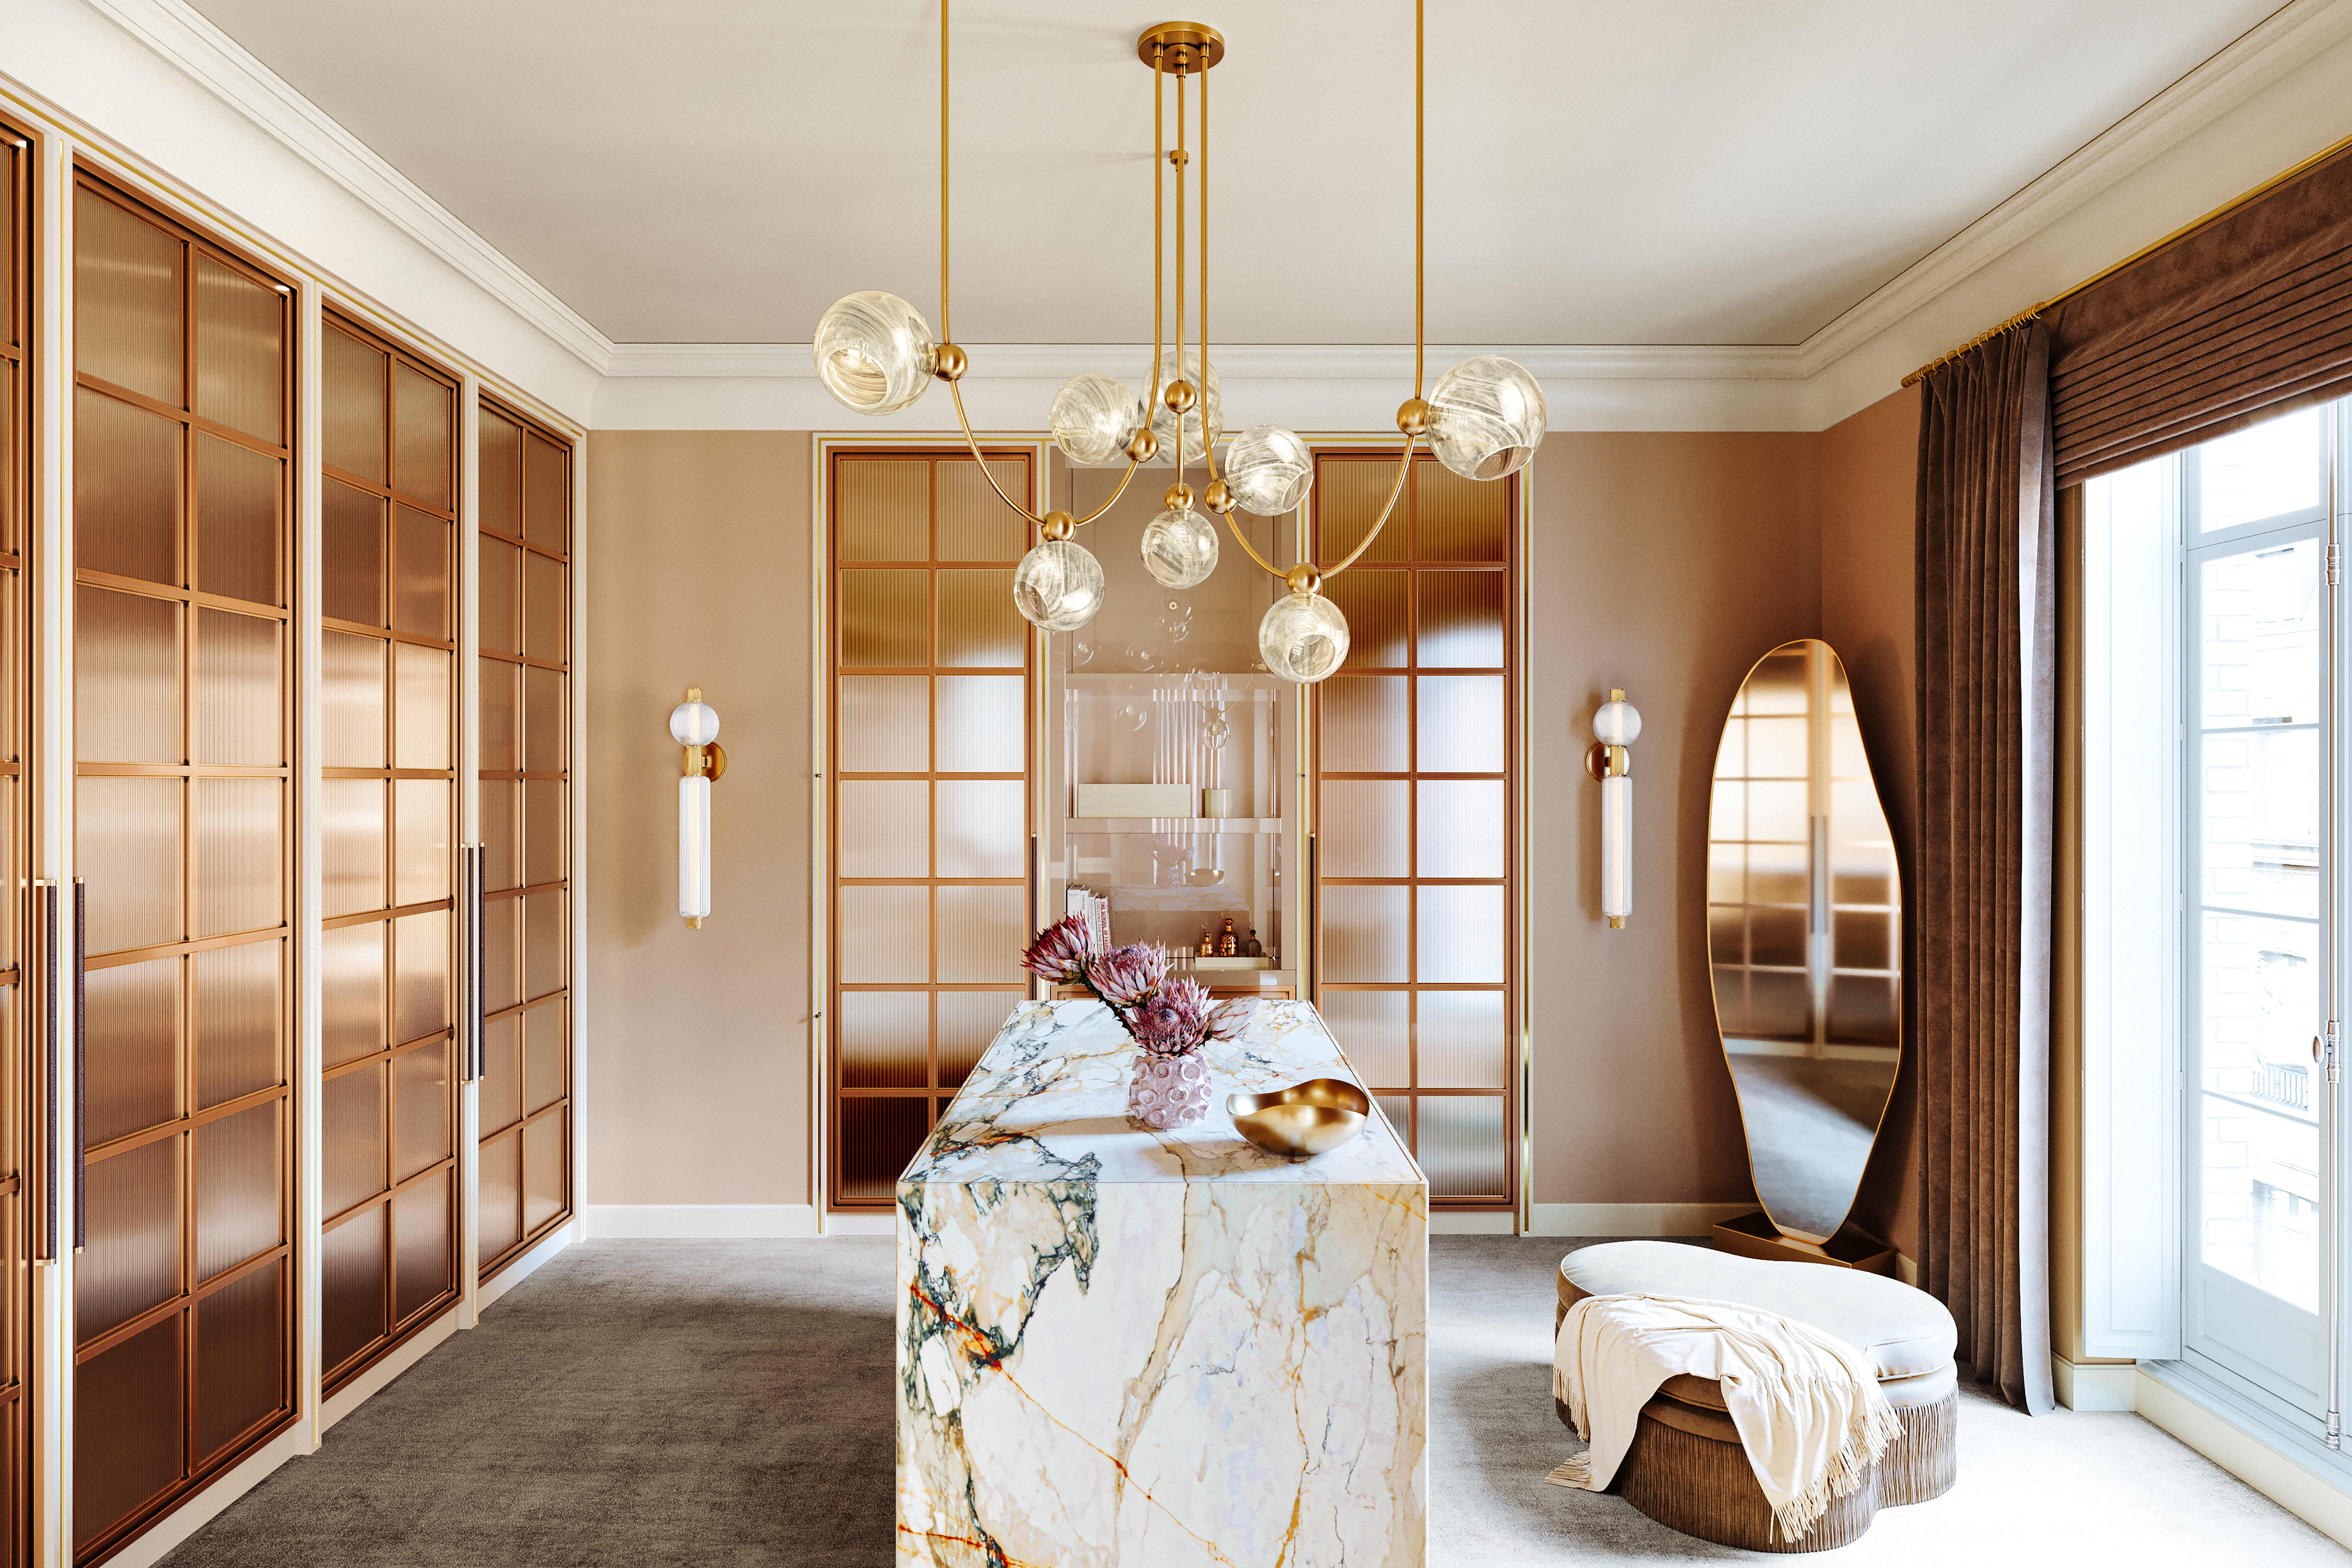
1483,419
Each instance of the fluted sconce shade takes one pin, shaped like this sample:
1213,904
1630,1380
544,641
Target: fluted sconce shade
694,725
1615,728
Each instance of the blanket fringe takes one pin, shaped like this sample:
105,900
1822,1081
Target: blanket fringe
1875,1430
1577,1472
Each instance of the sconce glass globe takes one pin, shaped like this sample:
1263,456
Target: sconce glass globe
1616,723
1093,418
1180,547
694,724
1303,637
1486,416
1268,470
1058,586
1210,411
875,352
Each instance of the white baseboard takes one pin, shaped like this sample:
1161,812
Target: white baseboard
368,1384
2087,1387
1443,1223
1632,1218
862,1224
207,1505
2320,1502
524,1266
698,1221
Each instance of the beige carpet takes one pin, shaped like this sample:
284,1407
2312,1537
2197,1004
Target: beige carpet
727,1405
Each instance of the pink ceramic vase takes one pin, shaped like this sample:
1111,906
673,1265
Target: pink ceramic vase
1168,1091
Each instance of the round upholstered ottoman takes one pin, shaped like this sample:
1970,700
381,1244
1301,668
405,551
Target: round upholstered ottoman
1687,1468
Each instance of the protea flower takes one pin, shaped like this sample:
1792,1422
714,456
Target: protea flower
1127,976
1229,1019
1058,953
1174,1020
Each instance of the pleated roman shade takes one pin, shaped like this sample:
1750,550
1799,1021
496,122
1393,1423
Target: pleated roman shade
2242,318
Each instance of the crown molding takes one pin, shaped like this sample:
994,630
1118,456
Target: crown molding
210,58
2289,38
1712,374
1247,362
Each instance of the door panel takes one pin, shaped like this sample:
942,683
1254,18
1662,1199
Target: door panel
182,835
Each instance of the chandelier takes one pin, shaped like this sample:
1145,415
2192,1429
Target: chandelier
875,354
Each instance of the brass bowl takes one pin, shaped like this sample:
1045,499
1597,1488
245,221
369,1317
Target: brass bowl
1306,1119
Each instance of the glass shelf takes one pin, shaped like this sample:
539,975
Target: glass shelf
1173,825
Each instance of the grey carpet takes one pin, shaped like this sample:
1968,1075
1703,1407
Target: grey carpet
642,1403
658,1402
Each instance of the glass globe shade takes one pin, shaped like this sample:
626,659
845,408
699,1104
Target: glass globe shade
1093,418
875,352
1268,470
1616,723
1486,416
1180,547
694,724
1303,637
1209,410
1058,586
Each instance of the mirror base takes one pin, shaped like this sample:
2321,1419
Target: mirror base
1755,1236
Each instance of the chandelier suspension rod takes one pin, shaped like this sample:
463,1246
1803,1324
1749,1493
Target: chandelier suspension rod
1420,219
947,338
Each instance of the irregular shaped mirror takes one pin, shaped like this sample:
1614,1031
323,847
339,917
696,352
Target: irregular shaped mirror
1804,935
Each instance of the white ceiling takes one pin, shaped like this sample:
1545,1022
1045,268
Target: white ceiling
1699,171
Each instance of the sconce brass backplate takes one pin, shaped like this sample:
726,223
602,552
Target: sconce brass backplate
1184,48
717,761
1600,757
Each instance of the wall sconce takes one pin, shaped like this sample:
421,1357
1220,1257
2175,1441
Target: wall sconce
694,725
1614,728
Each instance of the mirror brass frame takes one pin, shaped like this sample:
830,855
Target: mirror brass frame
1804,940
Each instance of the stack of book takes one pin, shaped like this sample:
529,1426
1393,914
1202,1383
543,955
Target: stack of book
1095,911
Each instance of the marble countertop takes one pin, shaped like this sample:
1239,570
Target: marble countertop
1048,1102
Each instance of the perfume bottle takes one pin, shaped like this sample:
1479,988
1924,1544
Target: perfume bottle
1229,946
1250,949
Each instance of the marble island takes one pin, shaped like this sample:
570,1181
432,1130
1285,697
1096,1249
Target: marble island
1123,1346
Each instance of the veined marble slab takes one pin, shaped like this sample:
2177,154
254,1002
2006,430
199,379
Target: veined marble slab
1118,1347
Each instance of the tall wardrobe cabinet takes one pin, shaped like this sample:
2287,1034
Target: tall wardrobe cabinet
286,1039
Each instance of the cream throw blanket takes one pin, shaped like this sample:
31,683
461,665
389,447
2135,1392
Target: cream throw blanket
1808,1406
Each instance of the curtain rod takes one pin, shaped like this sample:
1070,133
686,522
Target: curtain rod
2224,210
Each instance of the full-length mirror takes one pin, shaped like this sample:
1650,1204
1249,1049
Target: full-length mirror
1804,935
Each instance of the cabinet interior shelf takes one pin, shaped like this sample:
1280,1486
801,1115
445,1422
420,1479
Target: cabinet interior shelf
1161,825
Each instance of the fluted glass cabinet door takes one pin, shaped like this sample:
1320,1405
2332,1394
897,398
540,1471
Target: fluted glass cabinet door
525,725
1415,840
930,805
184,725
388,700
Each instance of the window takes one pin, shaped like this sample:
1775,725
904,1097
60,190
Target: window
2244,519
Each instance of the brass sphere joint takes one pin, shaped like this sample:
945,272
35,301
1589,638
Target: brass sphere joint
1218,497
947,363
1058,526
1413,416
1144,447
1181,396
1304,579
1179,498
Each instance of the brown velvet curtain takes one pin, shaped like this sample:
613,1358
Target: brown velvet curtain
1981,912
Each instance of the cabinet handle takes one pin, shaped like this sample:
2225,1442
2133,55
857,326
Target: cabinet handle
478,948
82,1071
44,896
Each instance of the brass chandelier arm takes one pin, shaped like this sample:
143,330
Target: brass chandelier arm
1208,447
1247,549
1404,467
1132,464
944,332
1159,201
955,393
